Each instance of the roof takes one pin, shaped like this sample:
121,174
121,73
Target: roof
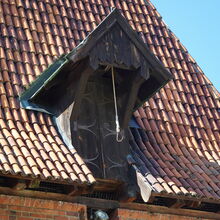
177,148
30,144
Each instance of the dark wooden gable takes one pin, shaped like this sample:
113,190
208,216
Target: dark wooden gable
112,43
77,90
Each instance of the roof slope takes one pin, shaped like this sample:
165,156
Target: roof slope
179,153
30,144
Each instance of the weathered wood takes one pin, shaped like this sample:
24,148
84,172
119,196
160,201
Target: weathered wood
104,185
176,203
151,199
193,204
129,99
80,90
28,179
85,135
95,134
35,183
73,191
116,20
188,198
19,185
116,48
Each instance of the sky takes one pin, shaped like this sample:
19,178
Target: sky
197,24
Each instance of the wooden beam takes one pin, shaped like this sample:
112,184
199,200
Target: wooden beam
80,90
35,183
188,198
73,191
20,185
107,185
65,183
96,203
133,86
193,204
176,203
151,199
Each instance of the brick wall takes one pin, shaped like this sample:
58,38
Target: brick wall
22,208
125,214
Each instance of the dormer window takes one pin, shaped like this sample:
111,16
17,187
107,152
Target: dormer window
93,91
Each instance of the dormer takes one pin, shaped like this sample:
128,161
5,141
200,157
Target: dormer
93,91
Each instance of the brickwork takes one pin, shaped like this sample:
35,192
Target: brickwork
125,214
22,208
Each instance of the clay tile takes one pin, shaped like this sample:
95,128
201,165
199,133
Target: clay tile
76,169
167,188
160,104
62,158
175,74
44,156
13,103
213,124
155,21
153,125
70,159
4,101
2,89
52,169
4,30
31,162
216,136
53,156
204,102
192,88
25,151
64,149
161,126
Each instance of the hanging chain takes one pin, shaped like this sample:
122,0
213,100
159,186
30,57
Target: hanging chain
118,131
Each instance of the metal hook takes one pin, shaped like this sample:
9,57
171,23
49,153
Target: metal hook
118,134
118,130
